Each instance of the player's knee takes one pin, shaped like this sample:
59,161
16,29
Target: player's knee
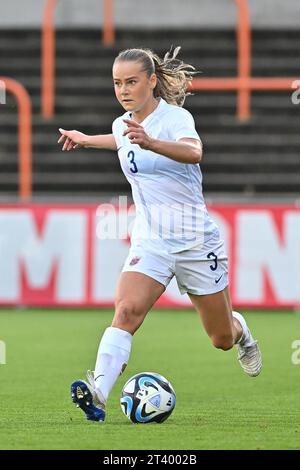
224,342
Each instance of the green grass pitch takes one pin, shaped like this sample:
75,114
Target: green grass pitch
218,406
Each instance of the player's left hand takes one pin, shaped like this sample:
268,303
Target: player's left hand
137,135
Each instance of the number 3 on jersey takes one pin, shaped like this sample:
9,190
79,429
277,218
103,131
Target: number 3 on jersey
133,167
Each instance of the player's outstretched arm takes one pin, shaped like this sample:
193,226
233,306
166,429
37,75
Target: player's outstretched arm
75,139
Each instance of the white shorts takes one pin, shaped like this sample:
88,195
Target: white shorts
197,271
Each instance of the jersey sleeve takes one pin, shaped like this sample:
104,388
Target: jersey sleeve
117,132
182,125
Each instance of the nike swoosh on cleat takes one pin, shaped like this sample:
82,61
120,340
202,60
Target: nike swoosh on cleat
217,280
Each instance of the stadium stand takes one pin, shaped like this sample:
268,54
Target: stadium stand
256,158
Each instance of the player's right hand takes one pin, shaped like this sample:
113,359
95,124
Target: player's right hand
71,139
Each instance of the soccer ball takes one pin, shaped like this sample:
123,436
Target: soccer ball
147,397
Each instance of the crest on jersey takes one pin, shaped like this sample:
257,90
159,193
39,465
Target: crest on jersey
134,260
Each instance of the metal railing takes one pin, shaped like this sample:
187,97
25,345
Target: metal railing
244,83
24,135
48,51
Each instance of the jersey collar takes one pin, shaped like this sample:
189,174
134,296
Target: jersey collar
148,118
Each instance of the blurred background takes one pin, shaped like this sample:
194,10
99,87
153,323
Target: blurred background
56,58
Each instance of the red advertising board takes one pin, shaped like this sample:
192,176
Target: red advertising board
52,255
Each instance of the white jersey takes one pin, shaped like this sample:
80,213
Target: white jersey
170,207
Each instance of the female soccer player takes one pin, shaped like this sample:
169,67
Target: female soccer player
160,151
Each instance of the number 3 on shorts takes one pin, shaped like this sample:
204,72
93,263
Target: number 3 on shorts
211,255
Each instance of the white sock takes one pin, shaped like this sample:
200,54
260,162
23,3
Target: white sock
112,358
246,339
